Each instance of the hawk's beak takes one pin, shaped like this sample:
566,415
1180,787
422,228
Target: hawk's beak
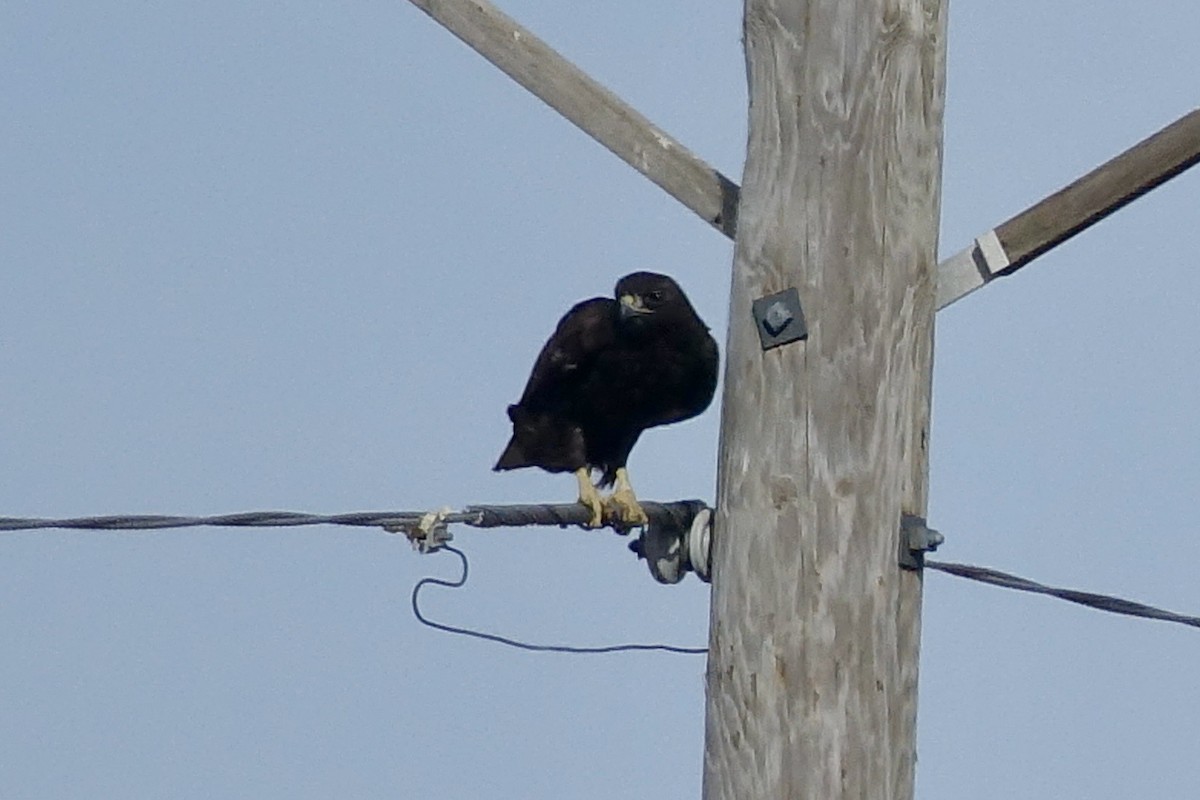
632,306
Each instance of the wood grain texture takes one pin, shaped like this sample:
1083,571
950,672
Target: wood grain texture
1102,191
594,109
812,673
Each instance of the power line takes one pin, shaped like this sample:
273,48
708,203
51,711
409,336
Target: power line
537,648
1102,602
476,516
427,530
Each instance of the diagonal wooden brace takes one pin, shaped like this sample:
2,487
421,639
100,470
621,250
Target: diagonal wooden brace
594,109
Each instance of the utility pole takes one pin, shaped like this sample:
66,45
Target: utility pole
813,650
815,629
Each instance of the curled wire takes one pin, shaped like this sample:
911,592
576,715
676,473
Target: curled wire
537,648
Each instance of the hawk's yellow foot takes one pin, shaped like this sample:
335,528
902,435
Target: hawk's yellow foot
588,496
622,505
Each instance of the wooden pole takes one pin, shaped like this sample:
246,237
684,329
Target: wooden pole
812,673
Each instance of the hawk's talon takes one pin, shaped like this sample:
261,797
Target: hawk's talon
624,511
590,498
622,505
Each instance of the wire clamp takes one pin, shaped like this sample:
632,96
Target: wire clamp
916,539
429,533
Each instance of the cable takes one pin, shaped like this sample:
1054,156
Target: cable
677,514
251,519
537,648
1102,602
481,516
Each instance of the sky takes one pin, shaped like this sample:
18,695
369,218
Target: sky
299,256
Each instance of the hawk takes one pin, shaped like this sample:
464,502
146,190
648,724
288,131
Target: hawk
613,368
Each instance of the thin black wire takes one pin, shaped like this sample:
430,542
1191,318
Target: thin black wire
1101,602
537,648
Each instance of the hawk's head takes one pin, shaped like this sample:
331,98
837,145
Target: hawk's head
650,300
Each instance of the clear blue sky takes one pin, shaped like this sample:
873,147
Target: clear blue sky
301,255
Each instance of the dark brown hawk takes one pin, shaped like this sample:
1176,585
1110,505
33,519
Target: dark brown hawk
612,369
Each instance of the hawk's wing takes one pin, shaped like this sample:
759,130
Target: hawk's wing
567,357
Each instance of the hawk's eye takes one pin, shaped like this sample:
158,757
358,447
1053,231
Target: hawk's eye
655,296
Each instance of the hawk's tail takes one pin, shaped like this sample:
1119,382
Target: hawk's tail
540,439
513,457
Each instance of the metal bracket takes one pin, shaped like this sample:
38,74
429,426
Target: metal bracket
779,318
916,539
